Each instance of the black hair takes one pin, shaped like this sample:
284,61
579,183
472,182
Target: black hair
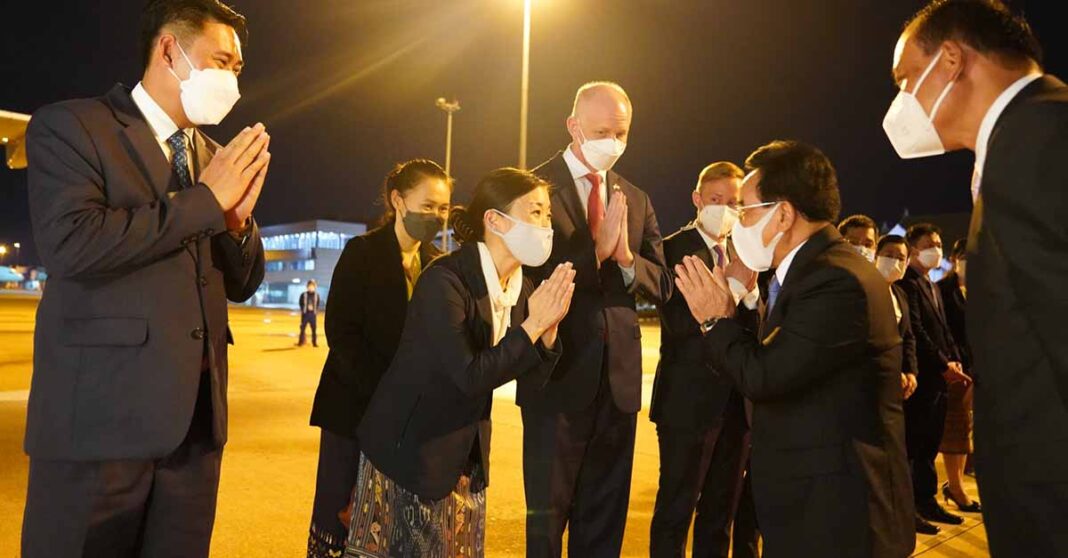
406,176
800,174
497,190
857,222
890,239
988,26
193,14
919,230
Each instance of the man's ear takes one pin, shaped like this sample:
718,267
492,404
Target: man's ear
696,196
953,57
787,216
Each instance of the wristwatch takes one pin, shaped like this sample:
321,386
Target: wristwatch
707,325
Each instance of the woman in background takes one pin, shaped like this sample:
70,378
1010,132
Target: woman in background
957,436
368,300
475,324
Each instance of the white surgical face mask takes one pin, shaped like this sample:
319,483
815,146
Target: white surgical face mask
207,95
930,258
907,125
601,154
865,252
529,244
892,269
717,220
749,242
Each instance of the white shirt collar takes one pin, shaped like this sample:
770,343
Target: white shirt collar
993,113
784,267
709,241
578,168
161,124
500,298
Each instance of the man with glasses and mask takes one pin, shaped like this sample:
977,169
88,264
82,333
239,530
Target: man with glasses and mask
971,77
146,227
823,370
860,231
700,418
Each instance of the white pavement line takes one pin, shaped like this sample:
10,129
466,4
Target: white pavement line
16,395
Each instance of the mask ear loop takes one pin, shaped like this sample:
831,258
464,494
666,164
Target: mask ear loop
923,77
187,61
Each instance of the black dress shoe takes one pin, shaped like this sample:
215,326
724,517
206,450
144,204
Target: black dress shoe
924,527
934,511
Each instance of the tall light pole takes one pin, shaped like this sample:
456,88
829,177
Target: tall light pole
3,253
524,88
449,109
18,254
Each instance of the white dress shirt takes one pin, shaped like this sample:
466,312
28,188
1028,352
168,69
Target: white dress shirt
579,170
741,294
986,128
784,267
501,299
161,124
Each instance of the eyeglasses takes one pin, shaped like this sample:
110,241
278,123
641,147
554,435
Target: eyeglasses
743,210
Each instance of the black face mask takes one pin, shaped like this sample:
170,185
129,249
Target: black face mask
422,226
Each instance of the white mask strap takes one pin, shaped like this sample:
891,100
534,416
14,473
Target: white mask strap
938,103
187,61
923,76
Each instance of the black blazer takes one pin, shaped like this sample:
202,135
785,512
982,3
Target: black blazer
139,275
1017,306
828,424
686,391
953,297
364,319
433,404
602,313
935,346
904,327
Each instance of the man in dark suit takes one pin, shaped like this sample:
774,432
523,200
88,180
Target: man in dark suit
578,431
700,418
309,310
145,226
938,363
1014,118
830,476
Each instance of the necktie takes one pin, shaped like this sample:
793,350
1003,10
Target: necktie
180,161
721,259
594,205
773,294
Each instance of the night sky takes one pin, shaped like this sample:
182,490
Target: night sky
347,88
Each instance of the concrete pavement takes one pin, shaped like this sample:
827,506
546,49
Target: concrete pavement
268,471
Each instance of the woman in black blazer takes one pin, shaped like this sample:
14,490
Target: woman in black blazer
475,323
369,293
891,257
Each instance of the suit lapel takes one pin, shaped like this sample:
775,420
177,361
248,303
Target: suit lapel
557,171
698,247
139,141
817,244
471,266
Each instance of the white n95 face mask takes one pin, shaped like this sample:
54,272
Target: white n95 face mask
930,258
749,242
717,220
529,244
865,252
910,130
602,154
208,95
892,269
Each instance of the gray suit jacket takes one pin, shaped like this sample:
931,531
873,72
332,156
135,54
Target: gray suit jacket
139,277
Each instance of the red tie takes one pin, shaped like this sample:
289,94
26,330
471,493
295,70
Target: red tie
595,205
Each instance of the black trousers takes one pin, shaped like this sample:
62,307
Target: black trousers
308,319
746,535
925,421
126,508
339,464
703,470
576,472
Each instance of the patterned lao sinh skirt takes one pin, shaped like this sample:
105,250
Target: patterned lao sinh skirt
390,522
